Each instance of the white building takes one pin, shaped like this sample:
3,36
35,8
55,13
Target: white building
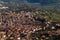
2,6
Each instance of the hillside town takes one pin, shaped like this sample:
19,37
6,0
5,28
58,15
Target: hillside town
27,25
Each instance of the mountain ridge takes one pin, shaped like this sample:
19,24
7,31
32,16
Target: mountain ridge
42,2
51,4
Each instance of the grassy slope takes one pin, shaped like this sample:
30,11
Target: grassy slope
55,17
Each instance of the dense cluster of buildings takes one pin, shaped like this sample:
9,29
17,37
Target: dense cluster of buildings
27,25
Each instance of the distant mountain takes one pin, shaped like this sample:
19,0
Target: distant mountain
42,2
6,0
50,4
